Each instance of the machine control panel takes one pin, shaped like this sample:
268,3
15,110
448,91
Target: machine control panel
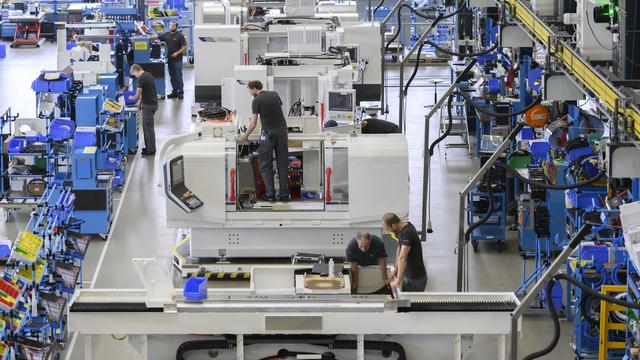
176,189
342,105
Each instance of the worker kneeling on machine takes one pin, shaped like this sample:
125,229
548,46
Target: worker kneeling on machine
409,270
273,136
367,250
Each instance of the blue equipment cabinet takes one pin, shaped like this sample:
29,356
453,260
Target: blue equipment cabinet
87,109
151,56
93,190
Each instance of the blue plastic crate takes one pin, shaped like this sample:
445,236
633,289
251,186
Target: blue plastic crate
599,254
195,288
583,199
84,138
17,145
3,51
61,129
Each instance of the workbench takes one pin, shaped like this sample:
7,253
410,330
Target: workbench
27,29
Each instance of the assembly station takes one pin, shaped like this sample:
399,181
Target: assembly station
319,179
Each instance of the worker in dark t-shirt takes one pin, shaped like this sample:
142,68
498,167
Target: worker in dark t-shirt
378,126
176,48
409,270
148,103
268,106
366,250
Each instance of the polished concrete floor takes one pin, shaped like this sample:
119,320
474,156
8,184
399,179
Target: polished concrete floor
139,229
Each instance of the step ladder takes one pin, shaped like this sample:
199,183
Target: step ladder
605,321
458,126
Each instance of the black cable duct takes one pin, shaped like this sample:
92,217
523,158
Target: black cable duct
462,55
554,314
321,341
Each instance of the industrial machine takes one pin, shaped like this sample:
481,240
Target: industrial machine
280,307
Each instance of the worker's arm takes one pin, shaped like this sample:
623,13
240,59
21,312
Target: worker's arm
394,272
353,267
382,263
182,50
401,265
253,122
137,95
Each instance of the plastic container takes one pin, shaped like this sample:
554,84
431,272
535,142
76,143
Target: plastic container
582,200
3,51
17,145
195,289
84,138
539,149
125,95
599,254
61,129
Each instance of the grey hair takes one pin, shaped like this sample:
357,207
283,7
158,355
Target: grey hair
363,235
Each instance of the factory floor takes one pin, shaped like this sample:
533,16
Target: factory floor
139,231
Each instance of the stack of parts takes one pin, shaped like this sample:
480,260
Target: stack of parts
27,247
9,294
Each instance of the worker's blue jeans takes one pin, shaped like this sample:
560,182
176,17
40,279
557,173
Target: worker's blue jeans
175,73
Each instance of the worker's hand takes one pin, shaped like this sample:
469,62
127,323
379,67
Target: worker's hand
175,55
393,272
394,284
131,98
387,281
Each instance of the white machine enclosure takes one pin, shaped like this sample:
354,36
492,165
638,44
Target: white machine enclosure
595,40
219,50
359,178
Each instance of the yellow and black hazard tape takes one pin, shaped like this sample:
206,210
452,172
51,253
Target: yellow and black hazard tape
224,276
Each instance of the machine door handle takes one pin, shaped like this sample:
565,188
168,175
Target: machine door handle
327,171
232,181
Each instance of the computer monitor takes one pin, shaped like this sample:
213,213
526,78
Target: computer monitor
177,171
341,101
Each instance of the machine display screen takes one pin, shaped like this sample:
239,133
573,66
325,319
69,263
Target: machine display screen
340,101
177,172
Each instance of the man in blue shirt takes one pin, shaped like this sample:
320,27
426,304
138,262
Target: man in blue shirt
366,250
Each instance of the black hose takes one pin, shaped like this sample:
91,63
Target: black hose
417,65
479,108
377,8
447,131
439,18
487,215
554,314
449,52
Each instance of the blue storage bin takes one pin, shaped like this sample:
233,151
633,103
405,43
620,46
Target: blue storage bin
599,254
61,129
111,161
578,153
195,289
125,95
526,133
64,83
71,45
84,138
540,149
583,199
3,51
17,145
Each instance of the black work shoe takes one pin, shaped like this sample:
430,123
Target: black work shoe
172,96
284,198
180,97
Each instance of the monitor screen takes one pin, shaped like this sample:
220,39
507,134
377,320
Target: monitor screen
177,172
340,101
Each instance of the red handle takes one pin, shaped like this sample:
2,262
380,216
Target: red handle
232,180
327,171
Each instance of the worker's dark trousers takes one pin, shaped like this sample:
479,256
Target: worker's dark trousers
175,73
148,115
414,285
270,140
